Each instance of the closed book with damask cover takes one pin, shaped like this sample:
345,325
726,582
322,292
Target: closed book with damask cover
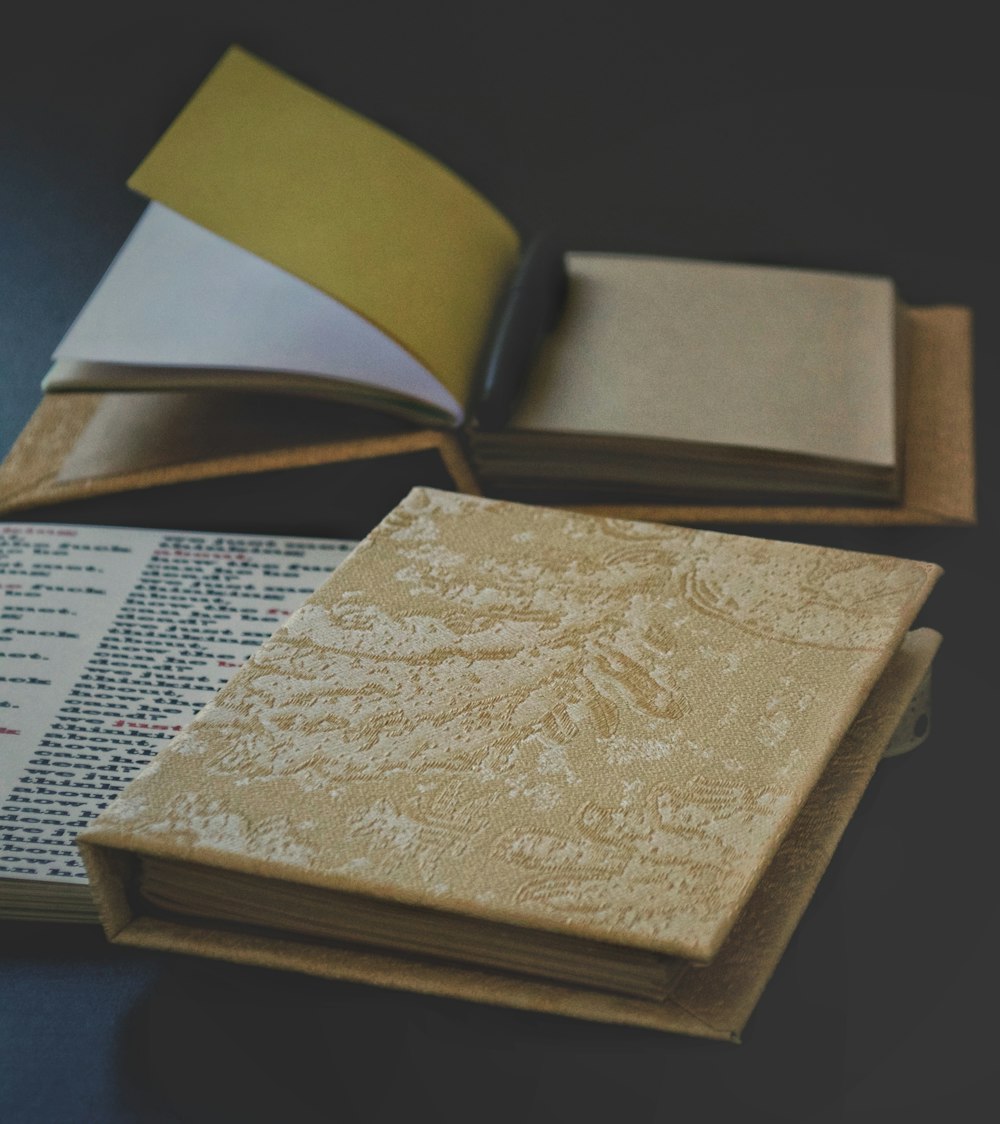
529,757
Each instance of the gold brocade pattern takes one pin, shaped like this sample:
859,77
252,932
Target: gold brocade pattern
581,724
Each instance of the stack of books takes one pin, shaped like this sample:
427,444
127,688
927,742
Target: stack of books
531,753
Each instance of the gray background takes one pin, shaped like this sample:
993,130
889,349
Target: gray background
863,144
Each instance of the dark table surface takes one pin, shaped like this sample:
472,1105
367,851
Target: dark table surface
865,145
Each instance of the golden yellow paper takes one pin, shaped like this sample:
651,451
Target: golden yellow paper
337,200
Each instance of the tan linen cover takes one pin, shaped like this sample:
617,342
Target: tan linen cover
585,726
712,1002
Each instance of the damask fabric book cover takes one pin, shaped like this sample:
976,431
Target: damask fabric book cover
528,757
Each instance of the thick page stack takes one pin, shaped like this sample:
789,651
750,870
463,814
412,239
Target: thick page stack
695,379
532,758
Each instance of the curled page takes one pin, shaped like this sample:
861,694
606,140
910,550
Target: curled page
335,199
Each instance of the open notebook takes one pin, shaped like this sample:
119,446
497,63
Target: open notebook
292,246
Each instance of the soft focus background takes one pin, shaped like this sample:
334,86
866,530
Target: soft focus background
860,142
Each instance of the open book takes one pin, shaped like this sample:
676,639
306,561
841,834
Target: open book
111,640
528,757
294,247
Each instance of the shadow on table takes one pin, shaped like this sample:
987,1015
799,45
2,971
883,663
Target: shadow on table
218,1042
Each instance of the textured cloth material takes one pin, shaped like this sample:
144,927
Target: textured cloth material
588,726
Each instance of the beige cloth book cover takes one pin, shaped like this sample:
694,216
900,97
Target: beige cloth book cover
604,732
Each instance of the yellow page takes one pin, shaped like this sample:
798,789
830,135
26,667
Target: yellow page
335,199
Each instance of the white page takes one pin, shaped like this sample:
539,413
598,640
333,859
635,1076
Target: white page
111,639
179,296
796,361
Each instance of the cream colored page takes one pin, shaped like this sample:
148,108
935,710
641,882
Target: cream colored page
342,203
111,639
788,360
179,296
60,586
